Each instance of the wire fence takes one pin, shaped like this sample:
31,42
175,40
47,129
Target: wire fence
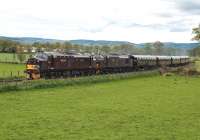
23,83
12,74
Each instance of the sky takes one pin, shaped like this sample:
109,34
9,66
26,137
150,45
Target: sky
135,21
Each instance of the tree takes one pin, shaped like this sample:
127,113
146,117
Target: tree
196,51
148,48
158,47
105,49
196,31
21,57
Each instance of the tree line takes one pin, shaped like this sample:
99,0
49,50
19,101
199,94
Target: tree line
156,48
196,51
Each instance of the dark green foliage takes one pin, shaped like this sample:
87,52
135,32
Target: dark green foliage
196,32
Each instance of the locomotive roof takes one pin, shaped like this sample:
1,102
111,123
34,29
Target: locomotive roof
153,57
45,55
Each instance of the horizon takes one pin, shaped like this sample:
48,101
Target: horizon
124,20
191,42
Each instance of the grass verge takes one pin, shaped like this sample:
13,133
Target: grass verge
72,81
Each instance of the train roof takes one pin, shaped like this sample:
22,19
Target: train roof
118,56
153,57
44,55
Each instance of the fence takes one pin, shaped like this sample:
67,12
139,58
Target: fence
23,84
12,74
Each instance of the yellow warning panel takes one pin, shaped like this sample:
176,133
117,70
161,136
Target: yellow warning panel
32,67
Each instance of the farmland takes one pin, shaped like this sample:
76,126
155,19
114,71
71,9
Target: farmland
6,69
11,57
197,63
139,108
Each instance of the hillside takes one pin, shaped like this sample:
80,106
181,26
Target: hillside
174,45
31,40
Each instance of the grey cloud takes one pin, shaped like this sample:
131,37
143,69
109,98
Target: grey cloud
178,26
174,26
178,29
187,6
153,26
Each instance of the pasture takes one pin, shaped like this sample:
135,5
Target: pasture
11,70
142,108
197,63
11,57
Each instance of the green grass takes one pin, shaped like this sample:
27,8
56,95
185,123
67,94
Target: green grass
151,108
10,57
197,63
42,83
7,68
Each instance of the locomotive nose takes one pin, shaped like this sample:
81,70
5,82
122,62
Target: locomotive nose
32,67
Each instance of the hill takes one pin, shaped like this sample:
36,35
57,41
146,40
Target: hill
98,42
175,45
31,40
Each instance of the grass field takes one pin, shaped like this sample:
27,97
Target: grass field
10,57
197,63
152,108
7,68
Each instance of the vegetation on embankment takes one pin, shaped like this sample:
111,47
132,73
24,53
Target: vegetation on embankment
35,84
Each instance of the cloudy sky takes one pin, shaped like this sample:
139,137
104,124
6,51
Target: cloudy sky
130,20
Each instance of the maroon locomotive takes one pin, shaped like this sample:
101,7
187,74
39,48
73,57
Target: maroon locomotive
53,64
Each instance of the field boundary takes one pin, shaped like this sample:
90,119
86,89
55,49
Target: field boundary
43,84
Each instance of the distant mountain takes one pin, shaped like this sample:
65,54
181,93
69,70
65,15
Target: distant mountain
175,45
182,45
98,42
31,40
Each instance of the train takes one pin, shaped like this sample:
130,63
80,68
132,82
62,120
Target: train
55,64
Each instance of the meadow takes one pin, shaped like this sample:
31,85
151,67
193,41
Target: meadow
151,107
8,70
11,57
197,63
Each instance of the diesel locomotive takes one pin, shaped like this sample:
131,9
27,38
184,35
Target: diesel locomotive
54,64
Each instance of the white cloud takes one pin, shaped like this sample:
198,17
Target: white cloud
131,20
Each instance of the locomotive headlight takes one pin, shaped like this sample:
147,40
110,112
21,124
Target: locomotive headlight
32,67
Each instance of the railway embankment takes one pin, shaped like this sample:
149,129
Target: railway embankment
75,81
